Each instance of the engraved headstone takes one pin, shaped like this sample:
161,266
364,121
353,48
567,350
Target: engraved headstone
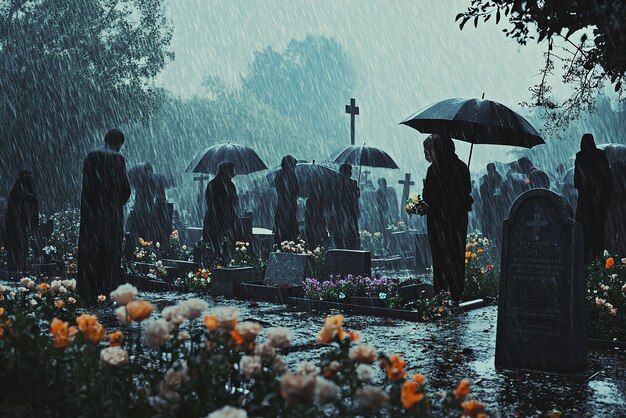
287,268
344,262
542,320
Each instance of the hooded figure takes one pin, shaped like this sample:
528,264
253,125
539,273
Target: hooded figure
22,217
382,203
592,179
347,211
285,217
491,198
315,220
105,191
447,190
221,210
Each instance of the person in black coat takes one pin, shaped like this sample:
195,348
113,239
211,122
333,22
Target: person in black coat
221,211
105,191
592,179
492,207
447,191
287,188
22,218
315,220
347,211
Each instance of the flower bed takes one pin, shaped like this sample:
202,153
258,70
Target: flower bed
482,279
76,366
606,299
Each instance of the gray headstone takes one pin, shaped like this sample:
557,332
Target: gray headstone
542,319
226,281
287,268
344,262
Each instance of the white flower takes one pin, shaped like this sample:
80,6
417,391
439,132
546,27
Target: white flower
113,356
608,305
265,351
122,316
226,314
55,285
22,289
174,314
307,368
278,337
606,253
71,300
2,289
62,289
624,288
27,283
69,284
124,293
158,244
365,373
600,301
193,308
604,287
250,366
184,248
157,332
371,397
614,276
325,391
33,302
228,412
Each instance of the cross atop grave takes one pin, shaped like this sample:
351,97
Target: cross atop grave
537,223
407,186
353,111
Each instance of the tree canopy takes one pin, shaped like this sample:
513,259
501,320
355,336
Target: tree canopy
71,68
595,56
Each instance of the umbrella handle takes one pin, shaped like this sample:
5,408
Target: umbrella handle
469,161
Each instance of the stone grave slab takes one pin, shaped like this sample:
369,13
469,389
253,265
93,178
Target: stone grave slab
226,281
287,268
542,319
344,262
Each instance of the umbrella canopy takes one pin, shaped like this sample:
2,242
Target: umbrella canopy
614,152
476,121
138,174
312,178
246,161
365,156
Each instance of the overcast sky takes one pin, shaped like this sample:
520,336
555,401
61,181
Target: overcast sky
407,53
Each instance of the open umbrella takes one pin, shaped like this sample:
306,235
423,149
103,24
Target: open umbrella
246,161
475,121
312,178
365,156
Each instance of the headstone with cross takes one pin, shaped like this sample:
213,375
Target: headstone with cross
353,110
542,323
407,183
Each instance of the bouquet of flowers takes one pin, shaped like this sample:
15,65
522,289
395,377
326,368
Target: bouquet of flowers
416,206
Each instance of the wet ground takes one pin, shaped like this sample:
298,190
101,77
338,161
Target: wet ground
460,347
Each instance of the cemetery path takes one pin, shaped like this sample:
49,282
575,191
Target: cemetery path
453,349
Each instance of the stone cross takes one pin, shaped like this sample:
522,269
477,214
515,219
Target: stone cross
353,110
365,174
537,223
405,193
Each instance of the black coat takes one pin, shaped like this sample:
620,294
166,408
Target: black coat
285,218
105,191
221,209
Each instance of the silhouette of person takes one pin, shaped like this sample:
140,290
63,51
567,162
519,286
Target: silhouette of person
492,215
347,210
592,179
221,211
141,219
105,191
428,148
447,190
285,217
315,221
616,224
21,219
539,179
382,203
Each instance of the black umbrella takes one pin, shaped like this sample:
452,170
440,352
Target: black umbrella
475,121
246,161
367,156
138,174
312,178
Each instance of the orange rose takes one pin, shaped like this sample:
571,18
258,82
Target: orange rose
138,310
331,330
473,409
354,337
462,390
1,311
211,322
394,366
116,339
609,263
90,327
410,395
43,287
62,334
59,304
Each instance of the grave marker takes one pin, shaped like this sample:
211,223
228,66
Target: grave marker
287,268
542,319
344,262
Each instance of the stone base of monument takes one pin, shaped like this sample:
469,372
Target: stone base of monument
344,262
182,267
287,269
259,291
145,284
227,281
46,269
416,291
